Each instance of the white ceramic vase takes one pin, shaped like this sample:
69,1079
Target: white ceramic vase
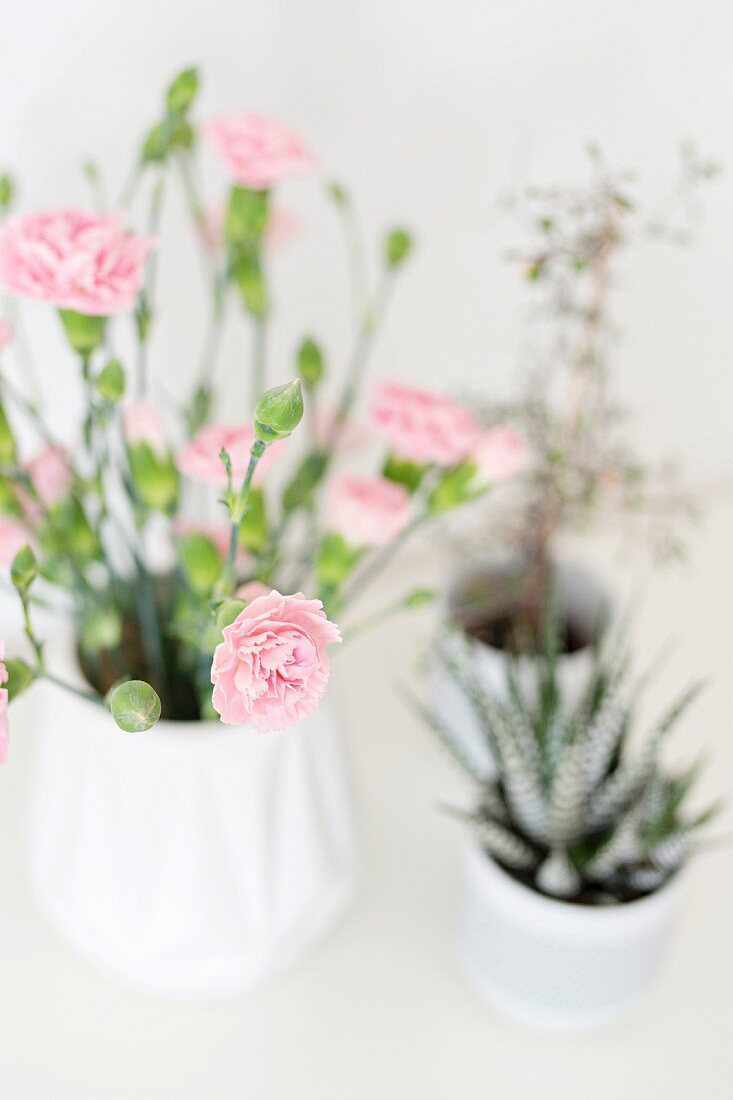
551,965
194,860
581,600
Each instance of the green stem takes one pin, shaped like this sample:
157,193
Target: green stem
89,696
382,559
237,511
259,358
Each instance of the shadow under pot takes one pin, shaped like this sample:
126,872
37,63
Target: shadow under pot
482,608
552,965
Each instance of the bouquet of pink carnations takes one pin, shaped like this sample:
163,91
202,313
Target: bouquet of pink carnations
80,523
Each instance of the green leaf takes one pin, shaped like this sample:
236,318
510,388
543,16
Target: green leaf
24,569
154,476
20,677
200,562
84,333
167,136
397,247
253,529
8,449
299,490
310,363
9,503
182,91
227,611
198,410
278,412
335,559
110,382
404,472
101,629
135,706
454,488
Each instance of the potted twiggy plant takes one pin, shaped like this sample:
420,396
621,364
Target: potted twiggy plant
578,842
186,856
579,465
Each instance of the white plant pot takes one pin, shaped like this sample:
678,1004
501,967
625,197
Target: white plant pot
581,599
194,860
551,965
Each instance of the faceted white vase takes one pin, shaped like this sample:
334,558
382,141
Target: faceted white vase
551,965
194,860
580,598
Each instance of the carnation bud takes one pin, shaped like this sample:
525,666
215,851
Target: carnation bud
397,247
135,706
310,363
110,382
176,133
278,412
24,569
84,333
182,91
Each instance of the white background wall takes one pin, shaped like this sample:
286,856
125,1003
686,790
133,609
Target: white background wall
429,110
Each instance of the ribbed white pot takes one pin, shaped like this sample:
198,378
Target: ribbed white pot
581,599
551,965
194,860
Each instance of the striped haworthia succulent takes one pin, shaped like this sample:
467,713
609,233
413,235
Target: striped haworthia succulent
572,810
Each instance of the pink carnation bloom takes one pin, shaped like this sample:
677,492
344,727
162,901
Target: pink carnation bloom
7,332
421,426
272,667
200,459
13,535
251,590
500,454
50,474
142,422
368,511
258,152
76,259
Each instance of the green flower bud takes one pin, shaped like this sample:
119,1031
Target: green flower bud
24,569
397,247
83,332
310,363
110,382
135,706
171,134
200,562
182,91
278,412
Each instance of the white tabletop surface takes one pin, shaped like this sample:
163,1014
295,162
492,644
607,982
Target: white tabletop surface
379,1012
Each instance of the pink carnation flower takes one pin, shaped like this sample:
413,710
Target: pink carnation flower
500,454
258,152
200,459
421,426
50,474
368,511
272,667
13,535
7,332
142,422
251,590
76,259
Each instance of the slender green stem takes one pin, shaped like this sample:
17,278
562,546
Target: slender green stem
381,559
375,619
89,696
28,409
259,358
238,509
356,257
